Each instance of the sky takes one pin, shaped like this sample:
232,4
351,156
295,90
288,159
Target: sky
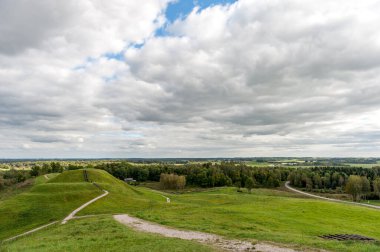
214,78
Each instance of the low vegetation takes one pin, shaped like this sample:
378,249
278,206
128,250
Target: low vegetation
172,181
358,182
264,214
99,234
46,201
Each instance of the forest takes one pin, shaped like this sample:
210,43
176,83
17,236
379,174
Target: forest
359,182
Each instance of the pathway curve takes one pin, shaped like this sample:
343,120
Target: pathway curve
73,213
167,198
329,199
206,238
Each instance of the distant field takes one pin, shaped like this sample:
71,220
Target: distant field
363,165
254,163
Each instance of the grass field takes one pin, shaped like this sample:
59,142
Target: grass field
99,234
265,215
259,164
46,201
363,165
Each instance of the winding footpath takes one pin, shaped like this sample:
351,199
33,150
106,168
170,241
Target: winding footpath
73,213
30,231
158,192
329,199
205,238
69,217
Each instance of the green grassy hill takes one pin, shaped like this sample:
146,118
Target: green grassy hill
46,201
269,215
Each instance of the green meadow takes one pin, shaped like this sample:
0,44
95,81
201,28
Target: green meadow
264,215
99,234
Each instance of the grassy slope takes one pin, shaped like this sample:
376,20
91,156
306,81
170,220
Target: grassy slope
263,215
99,234
44,202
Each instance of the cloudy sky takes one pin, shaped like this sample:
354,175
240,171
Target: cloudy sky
162,78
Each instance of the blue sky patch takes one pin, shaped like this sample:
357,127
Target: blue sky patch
182,8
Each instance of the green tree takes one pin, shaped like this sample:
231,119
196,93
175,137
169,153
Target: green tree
35,171
366,186
2,182
376,186
45,168
354,187
249,184
56,167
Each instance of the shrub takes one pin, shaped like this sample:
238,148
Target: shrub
172,181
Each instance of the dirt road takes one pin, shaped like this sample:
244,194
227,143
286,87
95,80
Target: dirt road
328,199
209,239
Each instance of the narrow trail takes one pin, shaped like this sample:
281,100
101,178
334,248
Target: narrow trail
206,238
30,231
46,176
329,199
69,217
73,213
158,192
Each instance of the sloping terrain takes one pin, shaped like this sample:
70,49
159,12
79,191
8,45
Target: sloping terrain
100,233
46,201
264,215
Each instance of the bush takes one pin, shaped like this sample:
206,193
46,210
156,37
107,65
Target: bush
172,181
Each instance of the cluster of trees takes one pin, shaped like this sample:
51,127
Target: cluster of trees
203,174
45,168
359,182
14,176
172,181
11,177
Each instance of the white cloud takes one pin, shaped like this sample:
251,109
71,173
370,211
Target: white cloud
253,78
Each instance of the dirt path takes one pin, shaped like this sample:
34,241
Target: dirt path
73,213
46,176
30,231
329,199
167,199
210,239
158,192
69,217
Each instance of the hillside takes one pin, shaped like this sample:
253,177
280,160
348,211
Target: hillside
265,215
46,201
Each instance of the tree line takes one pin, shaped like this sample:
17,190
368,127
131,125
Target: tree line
14,176
203,174
358,182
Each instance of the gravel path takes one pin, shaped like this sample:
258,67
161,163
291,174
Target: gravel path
31,231
329,199
73,213
210,239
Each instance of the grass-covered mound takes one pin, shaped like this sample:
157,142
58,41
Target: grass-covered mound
269,215
46,201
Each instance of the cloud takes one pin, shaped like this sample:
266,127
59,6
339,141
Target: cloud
250,78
